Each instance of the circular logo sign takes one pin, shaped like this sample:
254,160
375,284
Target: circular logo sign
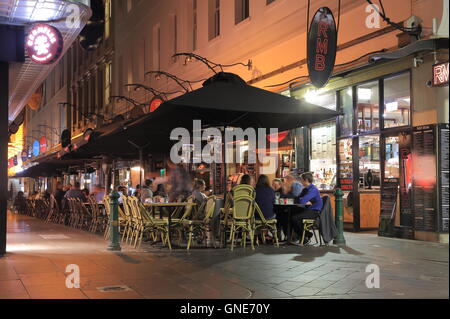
43,145
36,148
155,104
322,47
44,44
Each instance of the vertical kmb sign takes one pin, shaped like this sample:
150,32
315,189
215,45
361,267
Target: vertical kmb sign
322,47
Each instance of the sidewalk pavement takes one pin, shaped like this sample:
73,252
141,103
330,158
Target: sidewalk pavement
38,254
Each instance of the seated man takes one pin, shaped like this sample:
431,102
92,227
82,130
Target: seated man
310,197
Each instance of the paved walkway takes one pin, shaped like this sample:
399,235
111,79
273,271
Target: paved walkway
39,253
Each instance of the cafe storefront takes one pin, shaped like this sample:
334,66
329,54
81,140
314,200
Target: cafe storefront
374,150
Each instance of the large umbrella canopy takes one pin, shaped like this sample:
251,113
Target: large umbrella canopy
43,170
225,100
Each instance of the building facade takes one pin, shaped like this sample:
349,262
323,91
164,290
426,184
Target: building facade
385,105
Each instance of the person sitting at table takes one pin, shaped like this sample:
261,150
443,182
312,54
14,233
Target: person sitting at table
146,191
76,193
137,192
198,192
291,187
310,197
265,197
99,193
161,191
246,180
86,193
122,192
277,185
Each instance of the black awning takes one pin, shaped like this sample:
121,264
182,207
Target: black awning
43,170
429,45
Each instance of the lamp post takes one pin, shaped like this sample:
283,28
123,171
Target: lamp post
114,244
340,240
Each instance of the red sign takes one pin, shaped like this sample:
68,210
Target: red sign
42,145
322,47
155,104
440,74
44,44
277,138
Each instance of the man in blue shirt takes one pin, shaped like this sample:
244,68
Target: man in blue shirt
310,197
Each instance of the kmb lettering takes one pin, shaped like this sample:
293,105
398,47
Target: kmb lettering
322,46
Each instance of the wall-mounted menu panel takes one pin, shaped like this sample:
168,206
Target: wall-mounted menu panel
424,178
444,160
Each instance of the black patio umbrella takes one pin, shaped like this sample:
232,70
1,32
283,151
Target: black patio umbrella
42,170
225,100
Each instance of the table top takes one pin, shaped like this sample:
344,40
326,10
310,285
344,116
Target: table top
294,205
169,204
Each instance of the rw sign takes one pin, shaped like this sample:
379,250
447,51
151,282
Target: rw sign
440,74
322,45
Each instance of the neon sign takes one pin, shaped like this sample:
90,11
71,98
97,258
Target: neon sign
44,44
440,74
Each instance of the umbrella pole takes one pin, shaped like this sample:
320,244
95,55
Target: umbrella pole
225,180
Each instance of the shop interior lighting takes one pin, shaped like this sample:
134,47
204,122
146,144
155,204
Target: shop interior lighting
391,107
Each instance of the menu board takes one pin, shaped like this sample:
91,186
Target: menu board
389,202
345,165
444,159
217,177
424,178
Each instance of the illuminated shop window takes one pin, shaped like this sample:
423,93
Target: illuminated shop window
397,101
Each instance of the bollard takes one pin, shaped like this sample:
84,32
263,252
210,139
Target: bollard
339,240
114,244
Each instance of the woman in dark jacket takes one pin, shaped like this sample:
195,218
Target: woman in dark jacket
265,197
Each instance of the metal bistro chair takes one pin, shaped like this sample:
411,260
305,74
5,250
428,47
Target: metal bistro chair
265,225
200,223
155,226
313,225
122,217
244,190
225,216
243,219
131,222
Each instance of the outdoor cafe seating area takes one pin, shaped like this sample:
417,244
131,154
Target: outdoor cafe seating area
218,223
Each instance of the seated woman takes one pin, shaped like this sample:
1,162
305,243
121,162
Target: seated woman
198,193
246,180
265,197
310,197
161,191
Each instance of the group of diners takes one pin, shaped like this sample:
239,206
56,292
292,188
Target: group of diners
302,191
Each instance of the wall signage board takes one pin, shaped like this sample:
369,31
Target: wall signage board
444,164
440,74
44,44
322,47
43,145
424,178
36,148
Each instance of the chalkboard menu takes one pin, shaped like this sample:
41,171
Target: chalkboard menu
217,177
444,177
389,195
424,178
